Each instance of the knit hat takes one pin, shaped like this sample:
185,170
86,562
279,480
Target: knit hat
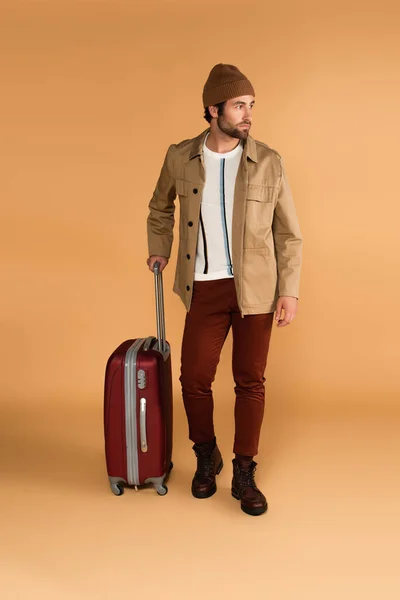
225,82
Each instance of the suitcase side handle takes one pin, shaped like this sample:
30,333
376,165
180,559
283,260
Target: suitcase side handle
143,417
160,316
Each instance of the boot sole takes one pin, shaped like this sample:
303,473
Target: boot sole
213,489
254,512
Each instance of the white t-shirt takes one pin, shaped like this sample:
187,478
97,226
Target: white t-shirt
214,242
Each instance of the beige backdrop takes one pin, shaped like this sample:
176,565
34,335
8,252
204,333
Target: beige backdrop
93,92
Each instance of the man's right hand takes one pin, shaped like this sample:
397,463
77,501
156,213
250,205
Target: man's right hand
153,259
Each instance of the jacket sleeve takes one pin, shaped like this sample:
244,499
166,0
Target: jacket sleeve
161,220
287,240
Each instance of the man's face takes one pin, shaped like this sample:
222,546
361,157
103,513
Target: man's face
237,117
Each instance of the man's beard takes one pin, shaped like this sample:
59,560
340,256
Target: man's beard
232,130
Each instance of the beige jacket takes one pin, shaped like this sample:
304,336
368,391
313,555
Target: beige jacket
266,237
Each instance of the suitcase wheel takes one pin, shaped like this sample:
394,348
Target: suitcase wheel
117,489
161,490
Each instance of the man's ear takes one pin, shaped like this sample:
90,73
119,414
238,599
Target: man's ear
213,111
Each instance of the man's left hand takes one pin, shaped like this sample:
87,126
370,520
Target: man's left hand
289,305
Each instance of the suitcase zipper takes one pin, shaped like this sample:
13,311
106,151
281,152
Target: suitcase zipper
132,461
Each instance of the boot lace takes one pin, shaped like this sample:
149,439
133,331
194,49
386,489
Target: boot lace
246,477
205,462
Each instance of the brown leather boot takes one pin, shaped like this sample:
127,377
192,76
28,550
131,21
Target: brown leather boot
209,464
252,500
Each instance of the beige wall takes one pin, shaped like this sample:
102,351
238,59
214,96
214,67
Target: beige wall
94,92
92,95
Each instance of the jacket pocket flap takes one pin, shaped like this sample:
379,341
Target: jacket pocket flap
181,187
260,193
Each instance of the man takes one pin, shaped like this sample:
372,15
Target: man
239,260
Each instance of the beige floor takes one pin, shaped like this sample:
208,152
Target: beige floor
332,529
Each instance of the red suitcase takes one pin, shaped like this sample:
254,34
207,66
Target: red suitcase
138,408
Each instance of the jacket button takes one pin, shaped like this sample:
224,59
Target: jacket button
190,223
195,191
188,256
188,287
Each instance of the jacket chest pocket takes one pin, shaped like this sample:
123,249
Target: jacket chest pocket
189,196
260,203
182,192
181,188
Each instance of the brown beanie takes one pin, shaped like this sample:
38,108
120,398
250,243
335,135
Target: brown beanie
225,82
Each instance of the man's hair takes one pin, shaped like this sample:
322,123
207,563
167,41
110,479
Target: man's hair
220,106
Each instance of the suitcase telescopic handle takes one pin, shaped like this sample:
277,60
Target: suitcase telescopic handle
158,280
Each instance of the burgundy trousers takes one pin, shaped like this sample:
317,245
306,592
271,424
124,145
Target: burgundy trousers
213,311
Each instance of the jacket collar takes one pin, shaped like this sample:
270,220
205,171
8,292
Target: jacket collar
249,147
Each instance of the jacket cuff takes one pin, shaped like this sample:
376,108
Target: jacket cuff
160,246
287,290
